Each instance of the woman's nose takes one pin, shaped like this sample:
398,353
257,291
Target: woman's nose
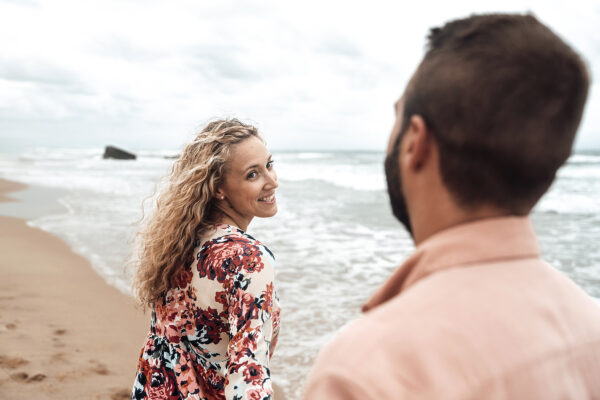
273,179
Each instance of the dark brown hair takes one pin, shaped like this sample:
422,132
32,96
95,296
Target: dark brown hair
503,97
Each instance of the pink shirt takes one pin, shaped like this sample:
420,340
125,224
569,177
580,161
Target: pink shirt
474,313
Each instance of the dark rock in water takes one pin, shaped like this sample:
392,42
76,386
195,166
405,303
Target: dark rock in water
118,154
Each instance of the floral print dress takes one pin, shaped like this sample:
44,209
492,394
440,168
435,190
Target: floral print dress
213,333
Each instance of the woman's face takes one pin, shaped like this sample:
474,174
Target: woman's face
250,181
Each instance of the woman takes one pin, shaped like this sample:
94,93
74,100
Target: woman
215,312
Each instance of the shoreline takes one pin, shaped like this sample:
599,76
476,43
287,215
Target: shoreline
64,331
6,189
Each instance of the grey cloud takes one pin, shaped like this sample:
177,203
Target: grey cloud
123,49
347,59
233,9
224,62
53,77
22,2
56,92
341,46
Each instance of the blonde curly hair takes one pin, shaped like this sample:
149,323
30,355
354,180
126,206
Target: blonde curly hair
185,208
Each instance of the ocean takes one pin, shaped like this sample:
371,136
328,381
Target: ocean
334,237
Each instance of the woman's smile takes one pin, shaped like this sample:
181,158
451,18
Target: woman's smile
270,199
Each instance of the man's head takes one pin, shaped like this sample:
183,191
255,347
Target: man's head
502,97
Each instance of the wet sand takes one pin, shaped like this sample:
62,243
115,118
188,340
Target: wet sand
64,332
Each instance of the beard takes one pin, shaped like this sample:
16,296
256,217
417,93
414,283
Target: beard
394,187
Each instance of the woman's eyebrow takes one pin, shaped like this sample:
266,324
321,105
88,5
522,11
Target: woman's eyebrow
257,165
251,167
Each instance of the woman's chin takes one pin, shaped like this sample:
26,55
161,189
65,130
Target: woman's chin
268,213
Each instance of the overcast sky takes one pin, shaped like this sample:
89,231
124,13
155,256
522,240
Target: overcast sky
314,75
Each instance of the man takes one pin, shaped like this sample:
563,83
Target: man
485,122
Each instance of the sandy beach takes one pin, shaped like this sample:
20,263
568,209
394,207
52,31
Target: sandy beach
64,332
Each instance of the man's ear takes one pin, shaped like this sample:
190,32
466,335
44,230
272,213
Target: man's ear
418,143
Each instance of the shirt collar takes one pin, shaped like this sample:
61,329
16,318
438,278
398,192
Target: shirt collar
481,241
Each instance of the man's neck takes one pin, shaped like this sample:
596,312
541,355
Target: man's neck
448,217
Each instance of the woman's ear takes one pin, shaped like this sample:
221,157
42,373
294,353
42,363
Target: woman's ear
220,194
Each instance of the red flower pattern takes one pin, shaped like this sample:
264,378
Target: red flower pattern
242,345
253,373
242,308
221,298
257,394
182,278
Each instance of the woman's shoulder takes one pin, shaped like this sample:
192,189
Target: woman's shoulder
229,241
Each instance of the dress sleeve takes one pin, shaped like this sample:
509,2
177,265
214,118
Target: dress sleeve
250,309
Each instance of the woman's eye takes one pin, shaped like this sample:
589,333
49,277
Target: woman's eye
251,175
270,164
